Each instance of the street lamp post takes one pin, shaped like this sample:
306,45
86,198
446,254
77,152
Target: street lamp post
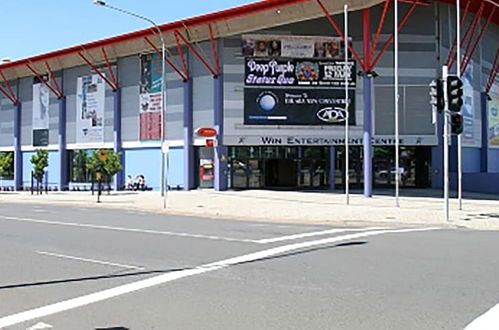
163,88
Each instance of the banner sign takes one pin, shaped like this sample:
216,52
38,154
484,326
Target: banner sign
493,117
297,106
293,46
468,108
333,140
150,98
41,118
90,103
298,72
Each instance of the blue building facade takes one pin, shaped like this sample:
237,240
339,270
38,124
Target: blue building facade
259,156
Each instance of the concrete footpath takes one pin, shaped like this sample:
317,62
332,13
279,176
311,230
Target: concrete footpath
417,208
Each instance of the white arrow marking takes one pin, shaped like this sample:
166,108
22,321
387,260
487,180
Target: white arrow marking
39,326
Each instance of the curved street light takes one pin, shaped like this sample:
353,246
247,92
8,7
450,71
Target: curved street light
163,87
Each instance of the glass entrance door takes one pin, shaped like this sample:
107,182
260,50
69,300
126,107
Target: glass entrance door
356,167
279,167
414,167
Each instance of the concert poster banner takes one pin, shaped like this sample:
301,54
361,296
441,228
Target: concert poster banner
40,118
298,72
293,46
493,117
298,106
90,104
151,104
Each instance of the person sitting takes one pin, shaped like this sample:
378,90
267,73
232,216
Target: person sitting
142,182
129,183
136,183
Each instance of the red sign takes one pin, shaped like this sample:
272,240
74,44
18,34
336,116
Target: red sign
150,126
206,132
210,143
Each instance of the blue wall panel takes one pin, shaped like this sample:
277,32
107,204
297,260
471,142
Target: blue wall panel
478,182
27,167
471,160
147,161
176,167
7,183
493,160
53,170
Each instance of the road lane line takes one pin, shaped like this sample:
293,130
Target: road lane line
316,233
172,276
487,321
133,230
64,256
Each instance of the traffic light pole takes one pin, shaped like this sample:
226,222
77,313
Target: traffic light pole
445,74
459,137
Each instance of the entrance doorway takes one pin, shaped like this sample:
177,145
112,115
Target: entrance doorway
280,173
414,167
283,167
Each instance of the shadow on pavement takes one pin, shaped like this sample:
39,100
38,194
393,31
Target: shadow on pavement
90,278
152,272
291,254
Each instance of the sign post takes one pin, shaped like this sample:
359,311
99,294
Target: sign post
397,134
165,152
347,150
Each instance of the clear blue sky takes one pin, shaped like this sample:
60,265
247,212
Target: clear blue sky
31,27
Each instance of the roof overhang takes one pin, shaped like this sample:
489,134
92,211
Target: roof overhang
243,19
226,23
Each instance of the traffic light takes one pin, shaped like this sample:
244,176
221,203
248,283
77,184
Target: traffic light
437,95
455,93
456,123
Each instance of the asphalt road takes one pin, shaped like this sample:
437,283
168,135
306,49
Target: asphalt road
78,268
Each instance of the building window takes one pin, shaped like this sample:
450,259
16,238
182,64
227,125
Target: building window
7,165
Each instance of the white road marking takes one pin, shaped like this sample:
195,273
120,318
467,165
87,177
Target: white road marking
169,277
63,256
487,321
316,233
133,230
40,326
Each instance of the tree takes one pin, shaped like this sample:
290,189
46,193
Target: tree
80,159
6,162
40,161
107,166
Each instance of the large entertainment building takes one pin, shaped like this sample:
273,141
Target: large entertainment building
270,77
